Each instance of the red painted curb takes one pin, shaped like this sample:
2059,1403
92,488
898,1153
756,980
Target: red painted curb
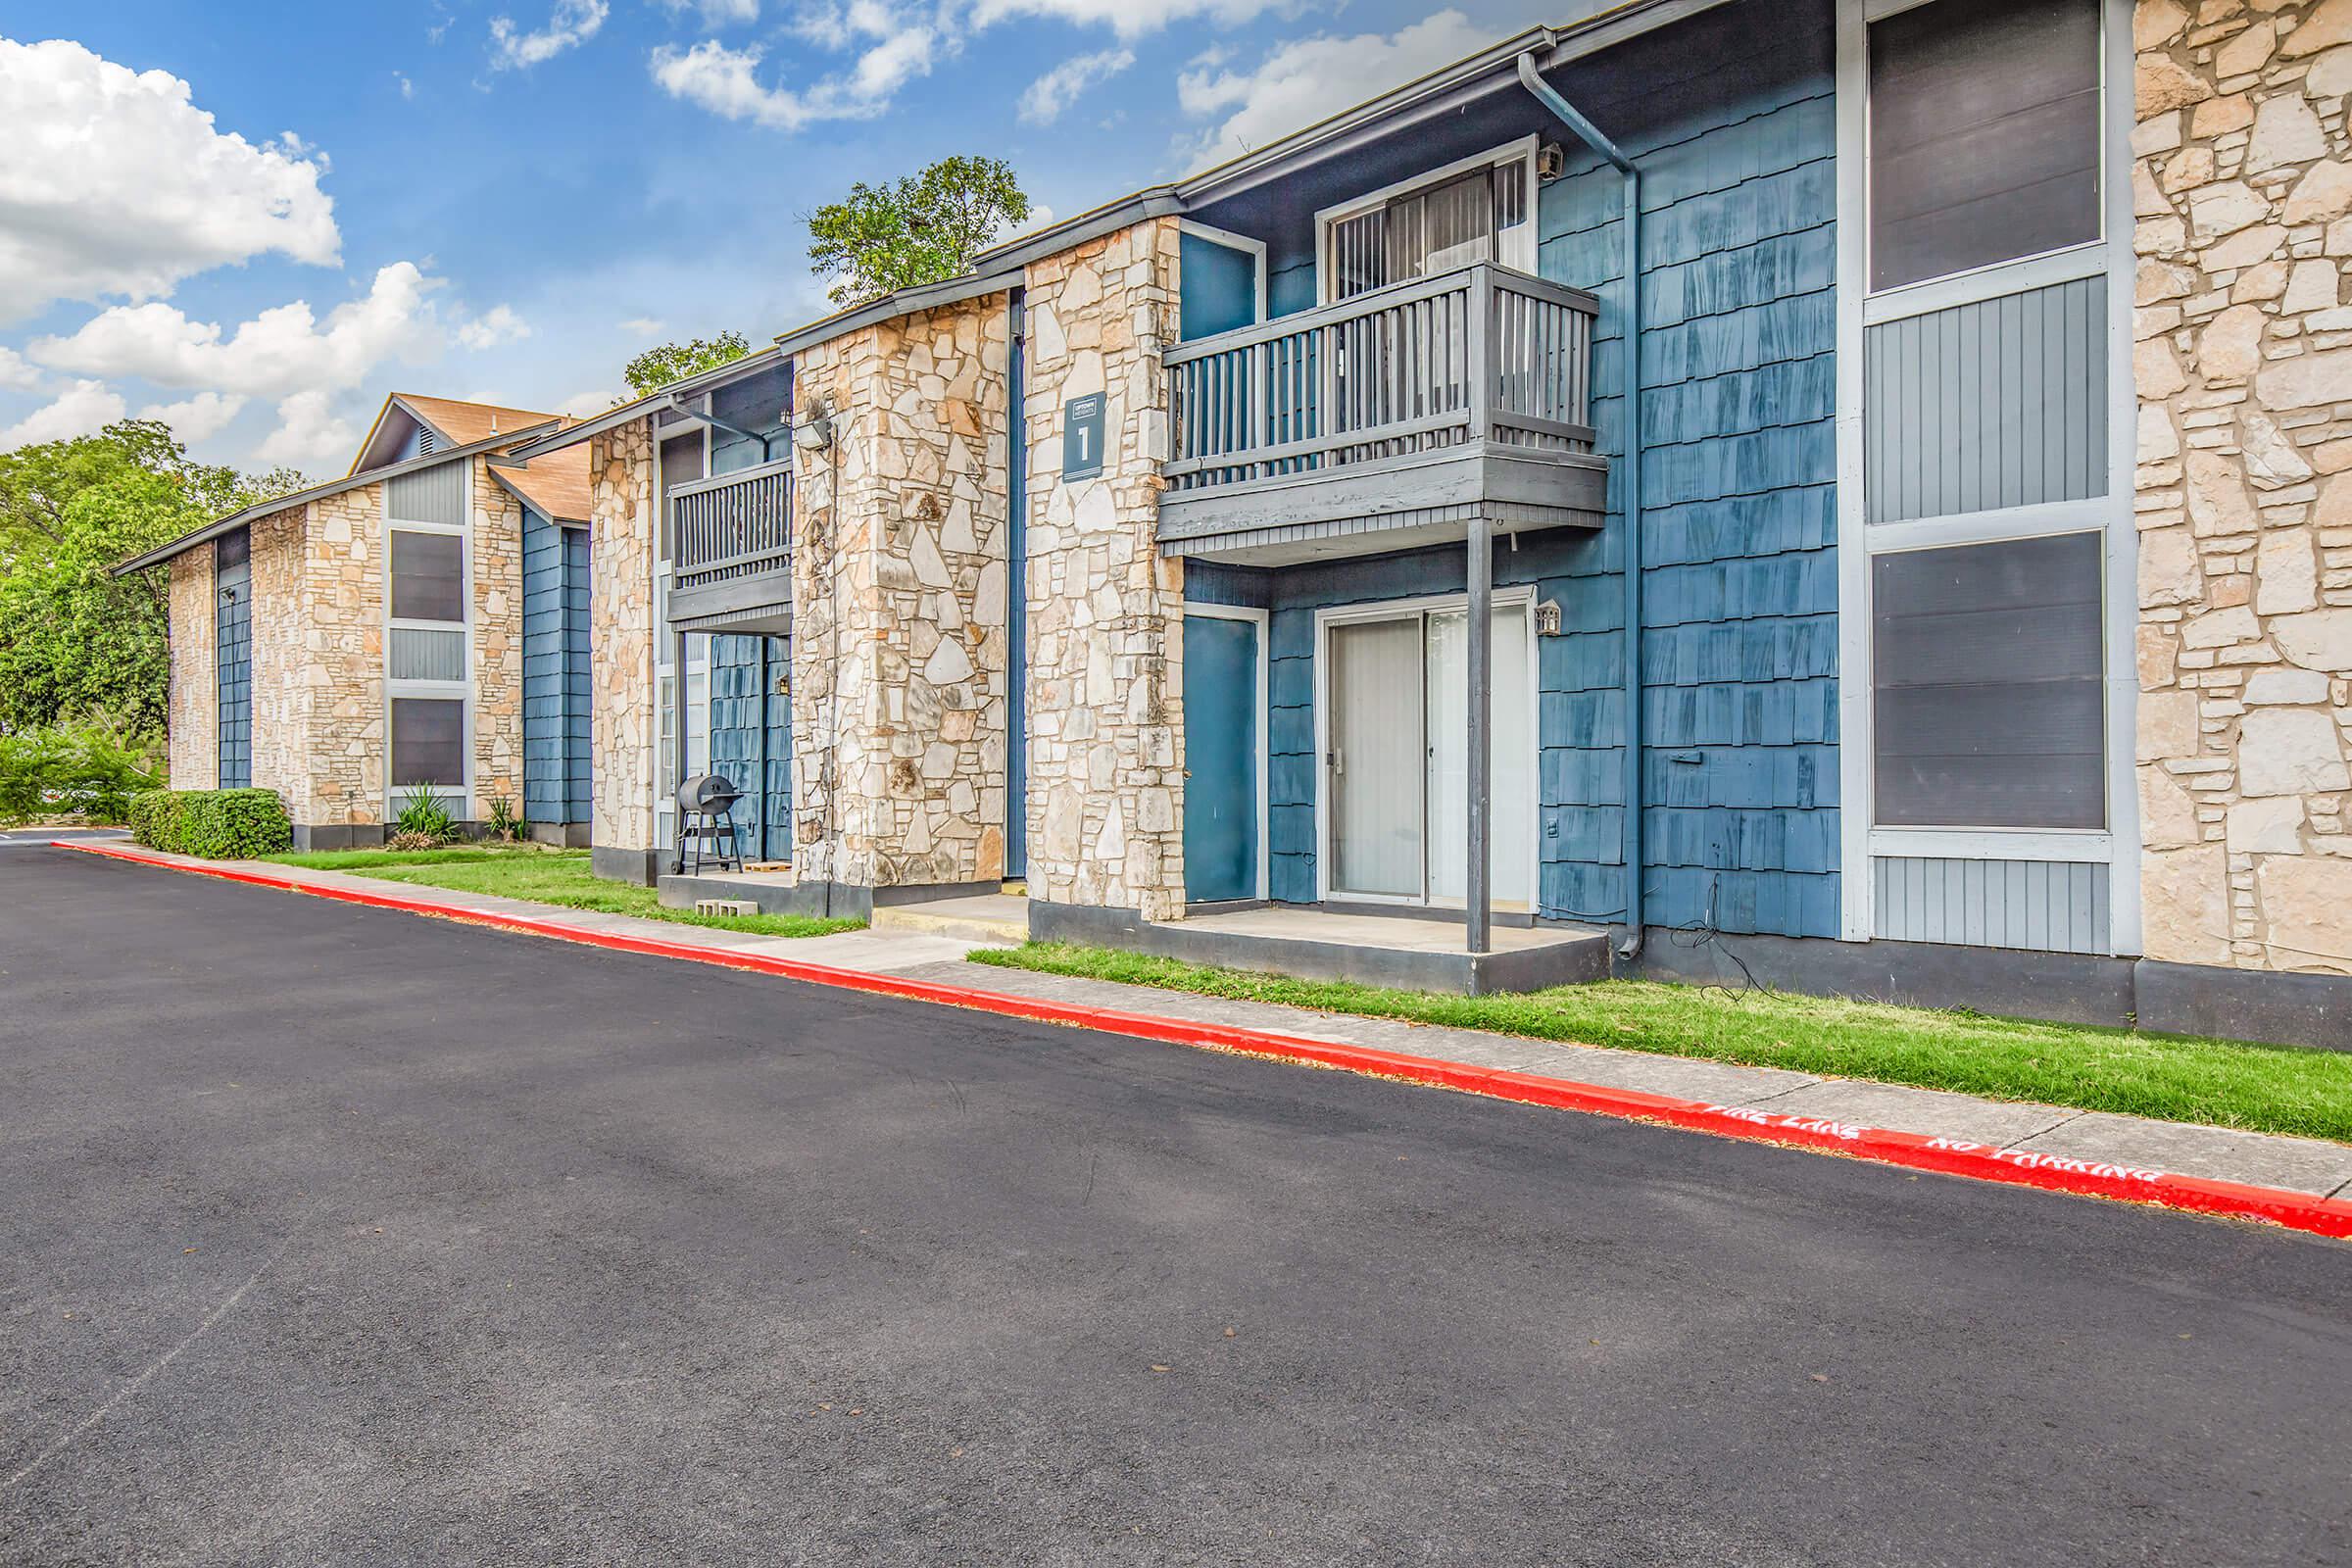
1949,1157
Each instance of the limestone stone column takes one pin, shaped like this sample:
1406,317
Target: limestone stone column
1105,697
2243,365
624,727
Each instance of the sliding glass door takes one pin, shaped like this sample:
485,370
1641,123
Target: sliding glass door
1397,733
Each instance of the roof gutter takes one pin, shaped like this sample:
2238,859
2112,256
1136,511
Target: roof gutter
1629,489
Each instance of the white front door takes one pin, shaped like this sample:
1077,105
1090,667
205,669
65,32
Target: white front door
1397,742
1511,823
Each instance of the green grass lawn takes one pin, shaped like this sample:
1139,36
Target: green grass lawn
545,876
2277,1089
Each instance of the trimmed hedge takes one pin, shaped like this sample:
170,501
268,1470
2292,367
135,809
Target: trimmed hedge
214,824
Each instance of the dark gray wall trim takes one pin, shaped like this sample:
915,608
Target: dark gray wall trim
641,866
309,837
2287,1009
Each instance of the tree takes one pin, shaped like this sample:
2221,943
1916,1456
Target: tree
920,230
75,641
657,367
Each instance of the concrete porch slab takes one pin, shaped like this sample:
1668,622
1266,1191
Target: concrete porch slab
1322,944
974,917
774,891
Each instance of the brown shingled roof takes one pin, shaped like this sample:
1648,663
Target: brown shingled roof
465,423
556,484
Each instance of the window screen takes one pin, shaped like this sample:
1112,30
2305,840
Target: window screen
1986,665
428,577
1983,134
429,742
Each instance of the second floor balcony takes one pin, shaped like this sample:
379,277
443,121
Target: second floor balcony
1385,422
730,550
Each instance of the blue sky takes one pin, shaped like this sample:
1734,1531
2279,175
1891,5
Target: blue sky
505,200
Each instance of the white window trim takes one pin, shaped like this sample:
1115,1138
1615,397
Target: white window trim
460,691
1264,623
1523,151
2119,844
1521,595
1238,243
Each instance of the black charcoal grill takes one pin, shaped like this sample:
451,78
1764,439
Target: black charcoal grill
707,825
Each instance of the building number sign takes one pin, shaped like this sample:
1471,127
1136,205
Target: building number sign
1081,437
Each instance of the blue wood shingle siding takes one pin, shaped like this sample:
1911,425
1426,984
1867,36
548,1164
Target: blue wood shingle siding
1733,121
554,673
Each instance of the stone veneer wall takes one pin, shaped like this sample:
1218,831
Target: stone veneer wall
194,720
281,653
623,730
899,651
340,708
1105,698
497,543
2244,369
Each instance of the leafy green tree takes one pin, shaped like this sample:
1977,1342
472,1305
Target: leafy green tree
919,229
75,641
658,368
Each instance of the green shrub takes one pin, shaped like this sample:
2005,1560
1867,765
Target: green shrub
505,823
216,824
89,768
424,815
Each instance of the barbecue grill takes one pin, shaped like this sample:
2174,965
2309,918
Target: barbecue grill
706,825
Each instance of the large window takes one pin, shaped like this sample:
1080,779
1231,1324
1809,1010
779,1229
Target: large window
429,575
428,742
1983,134
1988,691
1473,212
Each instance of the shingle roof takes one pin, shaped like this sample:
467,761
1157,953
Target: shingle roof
556,484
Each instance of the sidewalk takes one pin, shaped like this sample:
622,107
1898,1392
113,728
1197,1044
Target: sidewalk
2303,1183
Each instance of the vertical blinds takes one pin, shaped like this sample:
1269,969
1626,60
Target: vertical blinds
1433,229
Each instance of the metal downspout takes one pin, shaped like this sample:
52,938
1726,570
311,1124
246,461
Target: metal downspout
1630,489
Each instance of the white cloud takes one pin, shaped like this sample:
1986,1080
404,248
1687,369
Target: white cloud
1055,91
725,81
572,24
643,326
1129,19
1308,79
719,13
407,88
197,418
16,374
498,325
83,408
113,182
587,405
283,350
309,434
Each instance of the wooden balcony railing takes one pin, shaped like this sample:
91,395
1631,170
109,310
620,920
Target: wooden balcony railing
1482,354
736,526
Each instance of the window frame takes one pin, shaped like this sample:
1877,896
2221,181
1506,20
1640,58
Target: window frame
1521,151
1861,840
460,691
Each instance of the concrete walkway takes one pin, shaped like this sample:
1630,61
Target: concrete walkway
2258,1159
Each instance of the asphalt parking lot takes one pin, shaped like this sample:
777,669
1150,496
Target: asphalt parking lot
337,1235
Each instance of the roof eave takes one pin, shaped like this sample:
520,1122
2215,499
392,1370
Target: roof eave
303,497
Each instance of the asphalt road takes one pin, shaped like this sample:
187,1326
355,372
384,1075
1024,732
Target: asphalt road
330,1235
